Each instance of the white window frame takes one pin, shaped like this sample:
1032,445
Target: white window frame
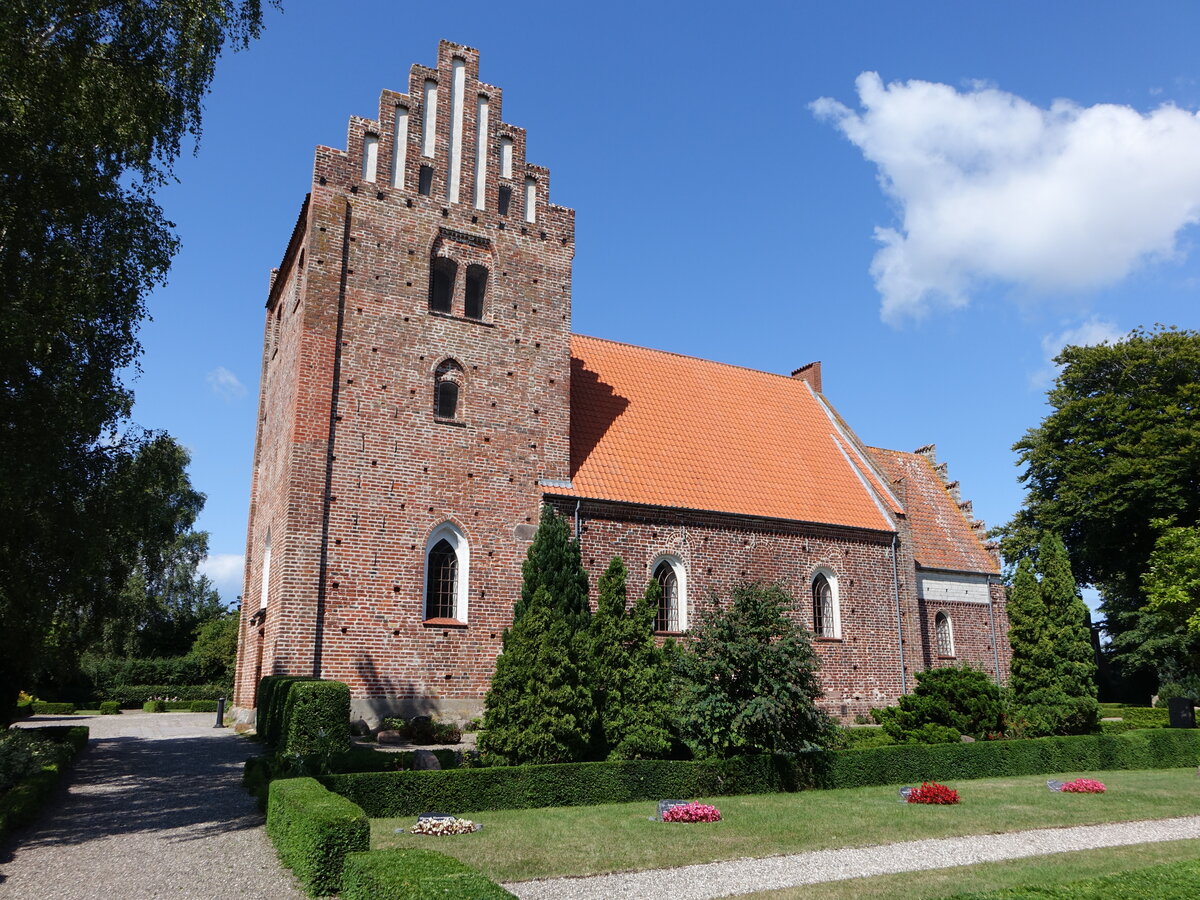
943,616
680,571
831,577
450,533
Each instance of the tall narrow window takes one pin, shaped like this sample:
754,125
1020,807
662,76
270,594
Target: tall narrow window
370,156
442,585
266,572
447,393
945,634
671,615
442,273
476,287
447,574
825,612
425,181
504,199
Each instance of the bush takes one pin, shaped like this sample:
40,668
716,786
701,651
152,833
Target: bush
132,696
109,707
414,875
313,830
154,706
316,718
208,706
44,753
44,708
424,730
24,709
1144,716
860,738
1171,689
270,706
945,704
107,673
1064,716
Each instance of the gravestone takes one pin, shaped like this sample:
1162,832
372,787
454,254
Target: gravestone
1054,785
1182,712
905,792
664,805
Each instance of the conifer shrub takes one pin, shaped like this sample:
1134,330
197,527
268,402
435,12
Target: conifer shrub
313,830
316,718
946,703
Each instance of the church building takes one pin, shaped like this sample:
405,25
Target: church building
422,397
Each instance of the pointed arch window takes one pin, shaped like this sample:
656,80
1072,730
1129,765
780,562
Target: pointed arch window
826,613
671,615
447,391
477,277
442,273
447,564
944,632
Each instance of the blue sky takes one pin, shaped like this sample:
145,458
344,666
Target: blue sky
1014,176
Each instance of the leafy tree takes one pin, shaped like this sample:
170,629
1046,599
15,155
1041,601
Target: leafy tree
215,646
1172,582
96,100
553,561
946,703
1119,449
630,676
539,708
1053,673
751,678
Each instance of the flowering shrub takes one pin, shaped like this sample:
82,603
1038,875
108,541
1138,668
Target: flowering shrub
1083,786
440,827
932,792
692,812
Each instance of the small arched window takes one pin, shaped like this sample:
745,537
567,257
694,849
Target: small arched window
944,631
447,393
447,562
671,615
442,273
826,619
477,277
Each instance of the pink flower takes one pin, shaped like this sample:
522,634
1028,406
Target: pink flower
692,812
1084,786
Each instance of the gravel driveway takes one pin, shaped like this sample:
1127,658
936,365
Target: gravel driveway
155,809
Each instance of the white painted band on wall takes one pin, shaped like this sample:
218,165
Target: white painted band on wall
400,147
457,88
429,118
481,145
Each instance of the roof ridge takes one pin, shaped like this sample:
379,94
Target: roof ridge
711,362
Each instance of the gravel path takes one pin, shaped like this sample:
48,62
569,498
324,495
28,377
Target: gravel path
155,809
745,876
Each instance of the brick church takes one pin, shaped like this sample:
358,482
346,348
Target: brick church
422,397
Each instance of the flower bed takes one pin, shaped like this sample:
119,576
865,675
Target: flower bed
692,812
932,792
438,827
1083,786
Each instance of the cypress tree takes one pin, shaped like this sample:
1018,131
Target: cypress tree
1075,661
539,707
630,677
554,562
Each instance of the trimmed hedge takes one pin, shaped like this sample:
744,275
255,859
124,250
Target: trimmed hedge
208,706
414,875
132,696
396,794
110,708
1143,716
316,717
270,704
24,709
21,804
313,830
45,708
154,706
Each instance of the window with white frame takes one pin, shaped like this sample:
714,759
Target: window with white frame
944,632
447,565
671,615
826,610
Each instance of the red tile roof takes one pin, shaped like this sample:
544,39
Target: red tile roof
941,534
656,428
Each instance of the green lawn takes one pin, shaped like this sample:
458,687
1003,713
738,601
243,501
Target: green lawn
1032,877
537,843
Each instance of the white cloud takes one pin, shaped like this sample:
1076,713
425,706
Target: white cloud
225,384
225,570
1093,331
991,188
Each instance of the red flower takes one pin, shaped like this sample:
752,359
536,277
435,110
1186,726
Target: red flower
932,792
1084,786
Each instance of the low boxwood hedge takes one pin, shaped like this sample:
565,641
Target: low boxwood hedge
316,717
397,794
154,706
46,708
21,804
414,875
313,830
132,696
1141,716
110,708
208,706
270,705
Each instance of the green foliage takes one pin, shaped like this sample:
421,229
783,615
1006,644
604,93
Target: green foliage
215,646
414,875
553,562
751,678
1053,663
22,753
154,706
316,718
1169,881
31,763
860,738
203,706
110,708
131,696
946,703
424,730
313,830
47,708
539,706
270,706
1172,689
630,676
1119,449
95,103
1172,580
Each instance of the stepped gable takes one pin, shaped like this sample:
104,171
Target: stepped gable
944,533
660,429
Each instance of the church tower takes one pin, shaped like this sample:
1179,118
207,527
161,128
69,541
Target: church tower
414,402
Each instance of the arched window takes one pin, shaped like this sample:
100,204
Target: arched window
671,615
442,273
944,631
826,613
447,560
447,390
477,277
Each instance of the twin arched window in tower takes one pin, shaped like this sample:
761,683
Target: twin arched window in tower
444,290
